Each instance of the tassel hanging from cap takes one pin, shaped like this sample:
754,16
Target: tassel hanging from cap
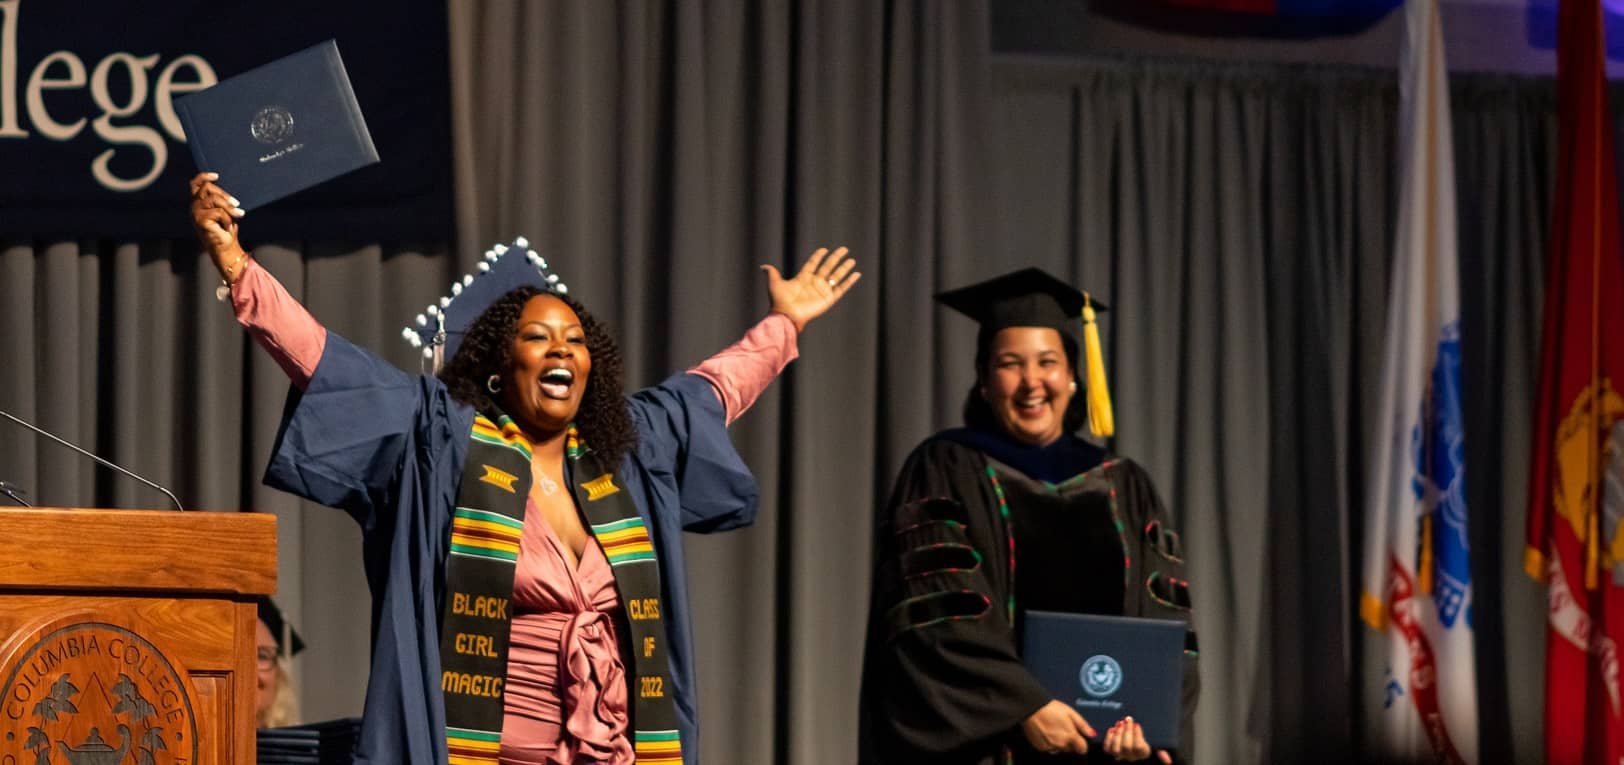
1100,420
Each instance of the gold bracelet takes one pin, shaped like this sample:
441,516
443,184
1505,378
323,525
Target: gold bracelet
224,290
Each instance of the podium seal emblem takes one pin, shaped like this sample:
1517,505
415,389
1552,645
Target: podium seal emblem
95,694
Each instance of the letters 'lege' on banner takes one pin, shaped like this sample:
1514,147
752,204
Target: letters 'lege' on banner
91,145
1417,570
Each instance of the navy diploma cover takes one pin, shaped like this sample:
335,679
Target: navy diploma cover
1110,667
279,128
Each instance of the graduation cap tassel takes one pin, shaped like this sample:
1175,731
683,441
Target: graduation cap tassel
1100,420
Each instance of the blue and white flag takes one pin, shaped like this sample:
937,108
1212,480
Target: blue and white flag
1417,585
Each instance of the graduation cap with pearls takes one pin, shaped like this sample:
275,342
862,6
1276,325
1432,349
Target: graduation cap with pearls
1031,297
439,329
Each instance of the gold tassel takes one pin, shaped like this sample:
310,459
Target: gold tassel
1100,421
1424,574
1534,563
1373,611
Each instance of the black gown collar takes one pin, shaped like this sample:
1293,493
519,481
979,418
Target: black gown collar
1067,457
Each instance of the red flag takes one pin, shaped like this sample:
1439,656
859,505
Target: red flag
1576,486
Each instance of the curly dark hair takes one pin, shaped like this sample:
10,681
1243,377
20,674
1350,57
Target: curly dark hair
978,415
604,421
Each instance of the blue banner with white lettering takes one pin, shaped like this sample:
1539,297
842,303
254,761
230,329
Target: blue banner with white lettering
90,145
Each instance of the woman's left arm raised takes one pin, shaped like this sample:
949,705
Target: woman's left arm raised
740,372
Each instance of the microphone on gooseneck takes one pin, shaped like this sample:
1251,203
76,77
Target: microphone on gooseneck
53,437
14,493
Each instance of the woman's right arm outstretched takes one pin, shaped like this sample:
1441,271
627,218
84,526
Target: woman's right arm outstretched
353,417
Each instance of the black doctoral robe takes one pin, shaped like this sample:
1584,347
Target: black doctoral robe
956,566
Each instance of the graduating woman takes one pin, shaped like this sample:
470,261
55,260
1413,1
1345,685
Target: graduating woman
1011,513
521,516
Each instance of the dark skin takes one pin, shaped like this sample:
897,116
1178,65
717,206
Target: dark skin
542,392
548,337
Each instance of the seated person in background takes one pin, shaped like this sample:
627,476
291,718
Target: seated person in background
274,643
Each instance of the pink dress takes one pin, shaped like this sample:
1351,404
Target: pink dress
565,694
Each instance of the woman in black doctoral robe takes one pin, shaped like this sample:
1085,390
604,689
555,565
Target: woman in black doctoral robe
1011,513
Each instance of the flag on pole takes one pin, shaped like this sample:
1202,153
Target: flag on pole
1576,481
1417,584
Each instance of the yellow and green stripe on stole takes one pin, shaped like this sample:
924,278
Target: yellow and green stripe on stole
657,747
624,541
472,747
502,432
484,534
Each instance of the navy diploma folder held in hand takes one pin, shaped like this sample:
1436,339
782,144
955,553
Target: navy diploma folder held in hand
279,128
1110,667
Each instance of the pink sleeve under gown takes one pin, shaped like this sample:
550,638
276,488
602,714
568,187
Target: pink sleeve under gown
565,697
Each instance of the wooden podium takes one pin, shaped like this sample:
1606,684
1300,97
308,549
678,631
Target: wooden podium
127,636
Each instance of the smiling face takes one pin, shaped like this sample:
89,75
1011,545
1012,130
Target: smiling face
542,390
1028,383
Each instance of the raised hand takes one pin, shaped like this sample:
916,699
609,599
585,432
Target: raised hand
821,282
214,218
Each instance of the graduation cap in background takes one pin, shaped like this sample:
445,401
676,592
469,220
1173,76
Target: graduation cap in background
440,328
288,641
1031,297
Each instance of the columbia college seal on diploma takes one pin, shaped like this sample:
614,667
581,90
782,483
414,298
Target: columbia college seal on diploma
93,693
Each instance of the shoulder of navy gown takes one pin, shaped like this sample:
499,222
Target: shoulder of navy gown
683,440
344,439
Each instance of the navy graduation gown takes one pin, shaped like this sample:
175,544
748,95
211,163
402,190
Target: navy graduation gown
388,448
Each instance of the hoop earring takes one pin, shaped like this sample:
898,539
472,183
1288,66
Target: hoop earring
494,384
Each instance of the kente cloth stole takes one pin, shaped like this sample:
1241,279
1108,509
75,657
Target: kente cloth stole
477,617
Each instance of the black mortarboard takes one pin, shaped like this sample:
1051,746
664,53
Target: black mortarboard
1029,297
280,629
